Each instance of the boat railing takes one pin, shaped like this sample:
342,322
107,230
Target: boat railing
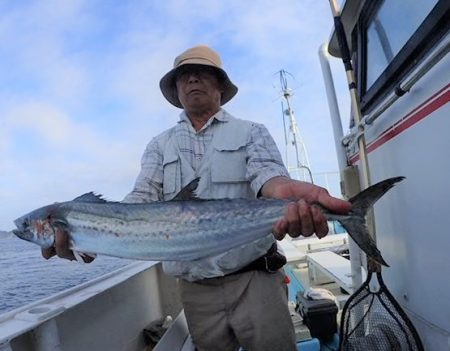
100,304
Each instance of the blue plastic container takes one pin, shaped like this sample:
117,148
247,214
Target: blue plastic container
309,345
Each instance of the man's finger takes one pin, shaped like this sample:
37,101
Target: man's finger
62,245
320,222
304,212
88,259
48,253
334,204
292,219
279,229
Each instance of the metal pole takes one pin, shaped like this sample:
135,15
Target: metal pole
357,115
295,133
46,337
5,346
333,106
354,98
354,250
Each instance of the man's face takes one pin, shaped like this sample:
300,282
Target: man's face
199,89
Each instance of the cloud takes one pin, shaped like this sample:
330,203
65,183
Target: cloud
34,37
50,124
52,127
79,94
48,140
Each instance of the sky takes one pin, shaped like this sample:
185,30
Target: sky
79,86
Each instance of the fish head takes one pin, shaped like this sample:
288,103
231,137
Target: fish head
38,226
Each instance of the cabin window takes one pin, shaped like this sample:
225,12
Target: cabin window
392,35
389,30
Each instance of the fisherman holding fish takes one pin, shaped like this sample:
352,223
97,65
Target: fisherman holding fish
236,298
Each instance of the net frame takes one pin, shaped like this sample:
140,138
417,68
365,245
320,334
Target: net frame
379,322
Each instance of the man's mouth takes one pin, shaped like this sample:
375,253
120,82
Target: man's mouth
195,91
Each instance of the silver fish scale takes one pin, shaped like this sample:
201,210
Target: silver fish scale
177,230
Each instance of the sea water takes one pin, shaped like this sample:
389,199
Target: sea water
25,276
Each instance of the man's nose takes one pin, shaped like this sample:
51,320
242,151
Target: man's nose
193,77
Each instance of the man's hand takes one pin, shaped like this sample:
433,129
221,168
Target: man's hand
61,248
301,217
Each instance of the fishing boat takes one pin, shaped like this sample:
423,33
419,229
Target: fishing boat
399,50
402,78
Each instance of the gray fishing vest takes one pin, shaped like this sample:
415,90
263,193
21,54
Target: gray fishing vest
222,175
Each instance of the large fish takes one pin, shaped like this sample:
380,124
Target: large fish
183,229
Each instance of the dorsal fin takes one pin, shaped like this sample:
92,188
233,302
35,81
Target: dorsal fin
188,192
90,197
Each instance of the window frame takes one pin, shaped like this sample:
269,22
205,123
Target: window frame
432,29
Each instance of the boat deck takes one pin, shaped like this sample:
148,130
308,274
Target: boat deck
59,322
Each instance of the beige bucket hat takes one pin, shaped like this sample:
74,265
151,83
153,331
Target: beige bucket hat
197,55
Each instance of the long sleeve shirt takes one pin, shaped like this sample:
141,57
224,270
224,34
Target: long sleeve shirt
263,157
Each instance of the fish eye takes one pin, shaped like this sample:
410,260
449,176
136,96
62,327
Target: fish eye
26,223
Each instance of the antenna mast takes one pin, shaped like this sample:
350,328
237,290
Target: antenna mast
301,170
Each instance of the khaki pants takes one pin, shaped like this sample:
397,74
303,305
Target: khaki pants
248,309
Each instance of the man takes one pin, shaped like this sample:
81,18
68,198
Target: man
237,298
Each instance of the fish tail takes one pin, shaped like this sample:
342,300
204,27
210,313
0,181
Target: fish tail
355,222
366,198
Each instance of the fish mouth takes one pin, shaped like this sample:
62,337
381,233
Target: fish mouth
23,234
18,222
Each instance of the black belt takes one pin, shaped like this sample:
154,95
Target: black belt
270,262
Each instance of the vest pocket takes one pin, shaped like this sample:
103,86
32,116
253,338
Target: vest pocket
228,165
171,169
